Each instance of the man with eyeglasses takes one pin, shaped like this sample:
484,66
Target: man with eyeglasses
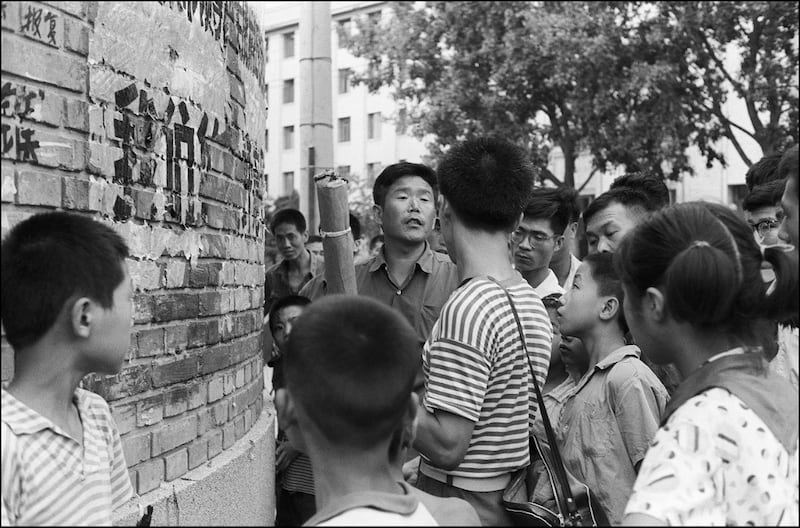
538,236
762,210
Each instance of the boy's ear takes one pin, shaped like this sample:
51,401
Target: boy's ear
81,317
559,243
378,214
610,309
654,304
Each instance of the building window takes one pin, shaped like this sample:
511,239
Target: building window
372,172
266,140
266,47
288,91
288,137
288,183
343,171
345,28
288,45
673,196
374,125
374,18
344,80
344,129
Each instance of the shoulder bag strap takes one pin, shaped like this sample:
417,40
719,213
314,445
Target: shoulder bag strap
561,474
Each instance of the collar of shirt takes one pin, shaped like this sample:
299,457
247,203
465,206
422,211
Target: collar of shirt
609,361
549,286
21,419
425,260
404,504
316,264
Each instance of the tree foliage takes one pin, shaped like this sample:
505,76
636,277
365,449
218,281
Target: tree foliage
632,83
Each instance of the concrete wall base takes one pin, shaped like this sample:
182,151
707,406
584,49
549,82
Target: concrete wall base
236,488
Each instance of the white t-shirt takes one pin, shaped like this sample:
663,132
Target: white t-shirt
375,508
372,517
716,463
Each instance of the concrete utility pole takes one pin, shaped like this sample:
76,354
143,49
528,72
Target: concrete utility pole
316,128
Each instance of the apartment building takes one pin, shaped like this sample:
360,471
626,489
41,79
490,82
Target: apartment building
365,126
366,136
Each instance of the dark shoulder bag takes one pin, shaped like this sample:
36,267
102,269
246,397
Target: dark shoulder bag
545,493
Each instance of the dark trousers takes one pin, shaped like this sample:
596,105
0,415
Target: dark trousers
294,508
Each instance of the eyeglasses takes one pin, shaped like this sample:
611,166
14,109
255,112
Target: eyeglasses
765,226
533,237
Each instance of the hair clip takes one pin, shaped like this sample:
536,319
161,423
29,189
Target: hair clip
699,243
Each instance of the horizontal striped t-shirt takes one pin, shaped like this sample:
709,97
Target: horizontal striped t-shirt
475,368
48,478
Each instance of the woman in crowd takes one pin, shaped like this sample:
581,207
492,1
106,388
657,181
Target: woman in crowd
727,451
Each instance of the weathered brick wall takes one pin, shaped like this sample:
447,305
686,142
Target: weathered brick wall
150,117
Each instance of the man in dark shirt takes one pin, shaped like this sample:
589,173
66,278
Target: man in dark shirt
406,274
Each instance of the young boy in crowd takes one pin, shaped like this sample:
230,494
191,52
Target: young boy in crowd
350,368
295,478
612,415
66,309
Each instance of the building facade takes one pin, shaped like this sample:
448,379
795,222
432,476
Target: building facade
366,136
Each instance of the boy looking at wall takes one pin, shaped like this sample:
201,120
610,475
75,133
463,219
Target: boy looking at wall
66,308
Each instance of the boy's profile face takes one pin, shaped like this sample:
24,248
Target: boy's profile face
282,328
580,305
110,335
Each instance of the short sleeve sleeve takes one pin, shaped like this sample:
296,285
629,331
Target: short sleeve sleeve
675,483
457,370
121,489
11,477
638,410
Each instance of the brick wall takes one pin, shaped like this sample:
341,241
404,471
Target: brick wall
150,117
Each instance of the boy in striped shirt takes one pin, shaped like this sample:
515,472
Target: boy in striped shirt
66,309
479,401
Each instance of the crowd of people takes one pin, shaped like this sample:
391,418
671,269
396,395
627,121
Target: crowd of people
667,355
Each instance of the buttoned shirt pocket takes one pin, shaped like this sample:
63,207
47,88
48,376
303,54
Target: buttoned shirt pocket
596,429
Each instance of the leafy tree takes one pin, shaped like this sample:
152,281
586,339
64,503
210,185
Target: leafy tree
765,36
617,79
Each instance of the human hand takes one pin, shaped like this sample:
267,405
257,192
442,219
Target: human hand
410,470
284,456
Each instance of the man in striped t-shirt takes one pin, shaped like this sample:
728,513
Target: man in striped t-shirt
67,311
479,399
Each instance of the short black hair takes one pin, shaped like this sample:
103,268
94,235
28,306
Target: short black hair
652,186
788,167
631,198
487,181
284,302
314,238
394,172
609,282
51,258
546,203
350,365
764,195
355,226
288,216
763,171
568,200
